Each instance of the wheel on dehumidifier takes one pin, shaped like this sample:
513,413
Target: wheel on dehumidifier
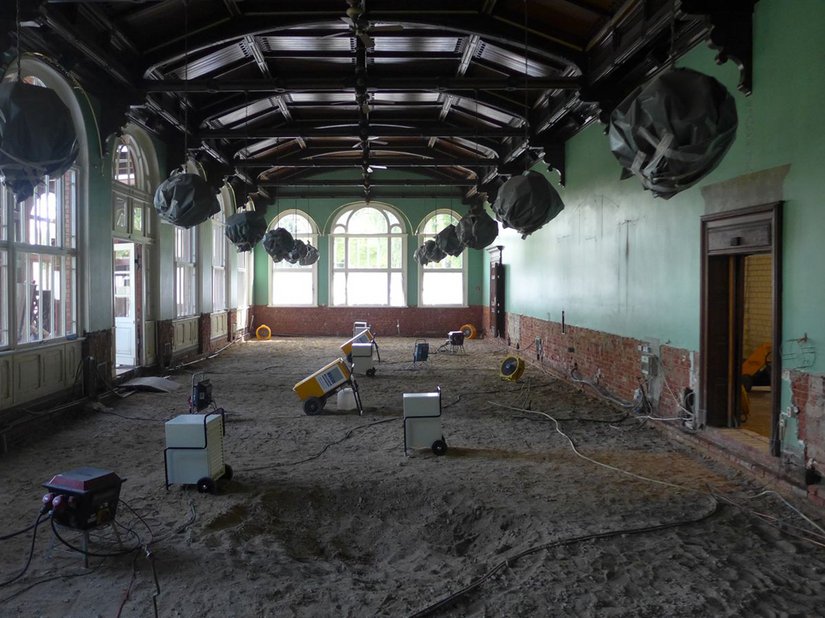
227,472
439,446
313,406
206,485
371,372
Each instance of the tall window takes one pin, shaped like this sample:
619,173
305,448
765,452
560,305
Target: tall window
445,282
186,258
294,284
243,291
131,199
368,257
42,249
219,256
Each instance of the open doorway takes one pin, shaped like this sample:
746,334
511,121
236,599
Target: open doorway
740,314
126,262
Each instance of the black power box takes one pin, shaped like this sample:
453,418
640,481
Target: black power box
84,497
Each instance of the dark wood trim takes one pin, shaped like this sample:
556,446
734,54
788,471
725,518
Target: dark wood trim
738,233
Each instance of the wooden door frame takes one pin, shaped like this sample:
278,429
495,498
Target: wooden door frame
732,226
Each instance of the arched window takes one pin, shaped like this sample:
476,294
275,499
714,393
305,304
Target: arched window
293,284
445,282
131,190
368,249
39,299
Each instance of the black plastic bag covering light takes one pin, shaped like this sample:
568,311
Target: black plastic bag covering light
245,229
673,131
299,250
310,257
433,252
525,203
476,229
448,241
278,243
37,137
185,200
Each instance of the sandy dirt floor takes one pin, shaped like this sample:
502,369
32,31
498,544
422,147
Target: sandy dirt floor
326,516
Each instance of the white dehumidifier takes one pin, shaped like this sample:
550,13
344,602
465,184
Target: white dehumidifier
362,364
194,451
422,422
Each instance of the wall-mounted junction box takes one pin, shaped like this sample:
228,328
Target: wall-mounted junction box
649,357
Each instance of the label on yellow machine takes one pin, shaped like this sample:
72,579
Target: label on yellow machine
323,381
365,336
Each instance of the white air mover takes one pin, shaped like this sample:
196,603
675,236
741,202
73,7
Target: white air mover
358,327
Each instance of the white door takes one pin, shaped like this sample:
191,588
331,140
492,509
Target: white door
124,299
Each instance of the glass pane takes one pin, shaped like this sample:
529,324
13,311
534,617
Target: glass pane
339,294
70,209
340,255
295,224
368,253
123,283
124,168
120,214
292,287
36,218
218,289
397,296
367,289
367,220
137,219
397,252
5,200
442,288
4,298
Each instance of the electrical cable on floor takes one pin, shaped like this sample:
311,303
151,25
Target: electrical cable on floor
123,552
129,588
10,535
449,600
25,568
323,450
25,589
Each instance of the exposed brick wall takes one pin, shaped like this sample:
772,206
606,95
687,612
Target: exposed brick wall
205,333
678,373
166,342
98,344
758,302
387,321
808,395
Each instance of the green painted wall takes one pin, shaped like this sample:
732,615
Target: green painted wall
620,261
323,211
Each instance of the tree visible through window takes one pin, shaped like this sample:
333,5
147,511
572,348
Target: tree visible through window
368,265
441,283
294,284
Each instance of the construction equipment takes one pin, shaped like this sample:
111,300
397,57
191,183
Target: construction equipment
201,393
511,368
194,450
358,327
421,351
314,390
364,336
361,359
422,422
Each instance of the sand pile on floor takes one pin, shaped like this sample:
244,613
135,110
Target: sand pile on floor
326,516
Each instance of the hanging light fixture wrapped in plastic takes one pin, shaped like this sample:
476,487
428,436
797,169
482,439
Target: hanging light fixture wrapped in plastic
433,252
278,243
673,131
310,257
185,199
37,136
525,203
476,229
298,251
448,241
245,229
420,255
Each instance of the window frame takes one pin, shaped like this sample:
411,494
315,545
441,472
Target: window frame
284,266
220,253
423,235
186,269
341,220
135,196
